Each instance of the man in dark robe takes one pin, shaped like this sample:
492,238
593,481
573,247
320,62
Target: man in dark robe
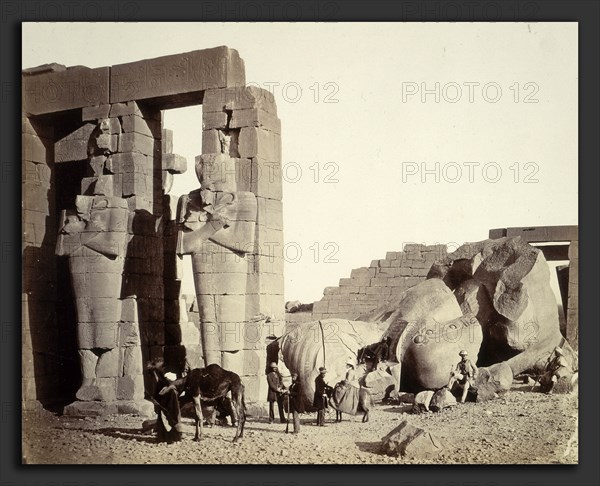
275,393
320,398
167,407
296,403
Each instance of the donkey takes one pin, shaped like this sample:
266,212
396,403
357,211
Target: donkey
207,385
348,399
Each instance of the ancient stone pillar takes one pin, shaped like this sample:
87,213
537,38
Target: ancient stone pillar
111,238
233,228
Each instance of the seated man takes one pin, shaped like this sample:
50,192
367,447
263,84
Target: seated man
167,407
463,374
556,368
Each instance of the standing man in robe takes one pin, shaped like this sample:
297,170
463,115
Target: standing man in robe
275,393
320,398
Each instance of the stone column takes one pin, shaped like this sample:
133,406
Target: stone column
251,308
114,244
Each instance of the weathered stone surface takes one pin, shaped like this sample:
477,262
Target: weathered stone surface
516,277
52,67
180,74
379,383
423,399
37,173
74,146
240,98
167,141
140,203
109,364
255,118
210,142
129,162
129,311
220,171
233,361
101,389
167,181
97,334
212,120
230,308
137,124
266,178
37,127
256,142
494,379
35,198
143,408
176,164
34,148
136,184
93,113
135,142
406,440
442,399
434,350
90,409
221,284
129,334
130,387
72,88
407,315
269,213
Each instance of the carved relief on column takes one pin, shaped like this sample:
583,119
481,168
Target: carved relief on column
217,227
95,236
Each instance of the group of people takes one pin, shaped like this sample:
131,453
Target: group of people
463,374
278,393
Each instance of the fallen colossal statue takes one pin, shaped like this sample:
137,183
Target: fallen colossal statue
491,298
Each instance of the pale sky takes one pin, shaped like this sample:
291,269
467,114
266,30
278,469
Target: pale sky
503,129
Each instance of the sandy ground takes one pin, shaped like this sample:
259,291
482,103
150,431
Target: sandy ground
519,427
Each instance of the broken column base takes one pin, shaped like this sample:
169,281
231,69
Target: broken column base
96,408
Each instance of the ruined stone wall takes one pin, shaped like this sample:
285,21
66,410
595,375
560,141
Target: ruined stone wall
42,359
97,175
369,287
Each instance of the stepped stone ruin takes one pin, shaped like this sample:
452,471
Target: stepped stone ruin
98,168
369,286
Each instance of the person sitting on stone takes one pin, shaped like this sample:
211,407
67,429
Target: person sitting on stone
464,374
556,367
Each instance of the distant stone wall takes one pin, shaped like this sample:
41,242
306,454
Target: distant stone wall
368,287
